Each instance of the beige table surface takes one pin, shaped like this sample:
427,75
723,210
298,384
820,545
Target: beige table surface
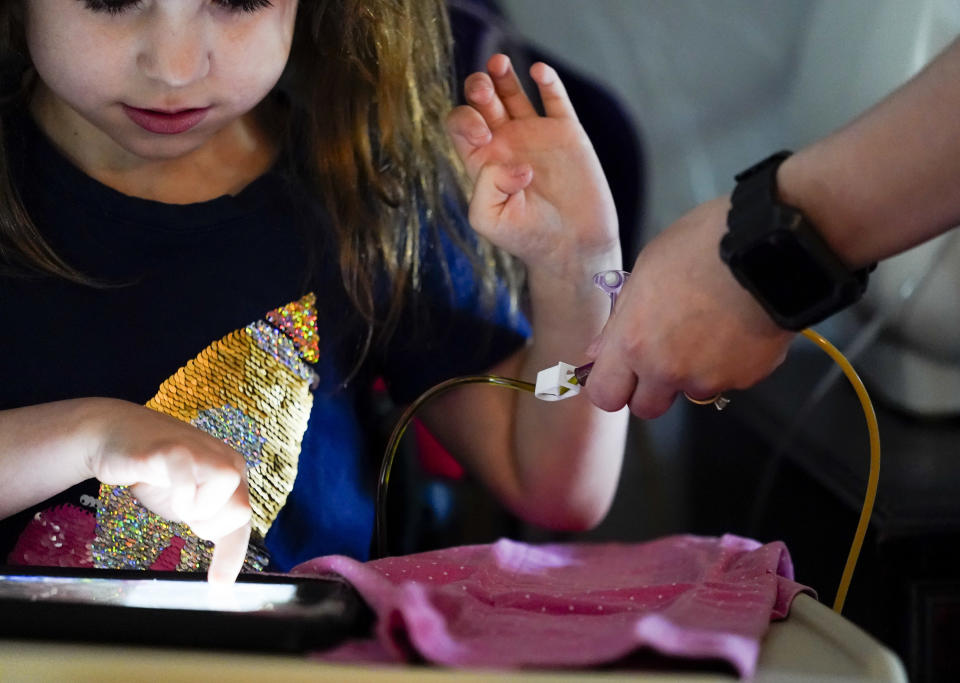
813,644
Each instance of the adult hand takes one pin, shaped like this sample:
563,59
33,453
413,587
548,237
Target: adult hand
683,324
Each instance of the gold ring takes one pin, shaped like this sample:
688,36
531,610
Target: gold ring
719,401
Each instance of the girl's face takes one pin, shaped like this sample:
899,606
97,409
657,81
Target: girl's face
155,78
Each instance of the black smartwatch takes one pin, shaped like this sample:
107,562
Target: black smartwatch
778,256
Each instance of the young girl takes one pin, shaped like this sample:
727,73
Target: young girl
221,221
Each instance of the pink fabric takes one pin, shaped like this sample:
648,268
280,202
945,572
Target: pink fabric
511,604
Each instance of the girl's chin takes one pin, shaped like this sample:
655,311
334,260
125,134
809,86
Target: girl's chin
150,147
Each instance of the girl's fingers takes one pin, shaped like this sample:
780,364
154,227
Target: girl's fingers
227,507
213,493
202,482
496,97
216,481
469,132
482,96
229,518
508,88
229,553
556,102
496,184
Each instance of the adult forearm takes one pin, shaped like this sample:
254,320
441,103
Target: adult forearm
891,178
43,451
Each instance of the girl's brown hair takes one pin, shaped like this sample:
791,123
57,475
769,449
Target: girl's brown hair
364,98
22,248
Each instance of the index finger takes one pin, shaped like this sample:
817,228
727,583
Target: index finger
229,553
613,384
610,385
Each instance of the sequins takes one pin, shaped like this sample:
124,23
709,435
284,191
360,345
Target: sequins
59,536
298,321
235,429
128,535
241,390
280,347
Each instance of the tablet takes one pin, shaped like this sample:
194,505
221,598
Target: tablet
260,612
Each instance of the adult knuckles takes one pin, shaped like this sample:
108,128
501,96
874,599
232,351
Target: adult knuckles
647,405
606,397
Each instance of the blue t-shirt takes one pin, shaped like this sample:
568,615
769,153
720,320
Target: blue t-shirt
176,280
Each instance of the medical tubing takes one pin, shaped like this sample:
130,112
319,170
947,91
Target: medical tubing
873,476
380,518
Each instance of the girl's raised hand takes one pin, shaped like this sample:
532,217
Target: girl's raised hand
539,190
180,473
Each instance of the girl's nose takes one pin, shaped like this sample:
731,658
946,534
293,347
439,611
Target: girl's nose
175,53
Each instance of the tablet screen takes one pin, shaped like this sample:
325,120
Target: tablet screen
153,593
263,612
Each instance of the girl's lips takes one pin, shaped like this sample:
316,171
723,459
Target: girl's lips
166,122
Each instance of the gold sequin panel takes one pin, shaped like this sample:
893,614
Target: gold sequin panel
250,389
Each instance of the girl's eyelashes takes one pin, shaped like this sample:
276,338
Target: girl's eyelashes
110,6
118,6
244,5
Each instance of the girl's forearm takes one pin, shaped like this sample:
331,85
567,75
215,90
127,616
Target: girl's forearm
43,450
568,452
554,464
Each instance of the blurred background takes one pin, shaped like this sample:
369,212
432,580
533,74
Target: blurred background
678,96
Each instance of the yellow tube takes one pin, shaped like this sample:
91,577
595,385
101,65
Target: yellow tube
386,465
868,411
873,477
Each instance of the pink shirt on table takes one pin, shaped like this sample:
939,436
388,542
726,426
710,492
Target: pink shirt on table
511,604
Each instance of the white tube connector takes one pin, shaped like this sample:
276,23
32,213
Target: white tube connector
556,383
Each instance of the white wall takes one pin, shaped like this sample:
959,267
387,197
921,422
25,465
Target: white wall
718,84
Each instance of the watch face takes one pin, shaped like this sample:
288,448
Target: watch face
784,276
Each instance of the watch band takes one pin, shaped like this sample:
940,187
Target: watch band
778,255
756,189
